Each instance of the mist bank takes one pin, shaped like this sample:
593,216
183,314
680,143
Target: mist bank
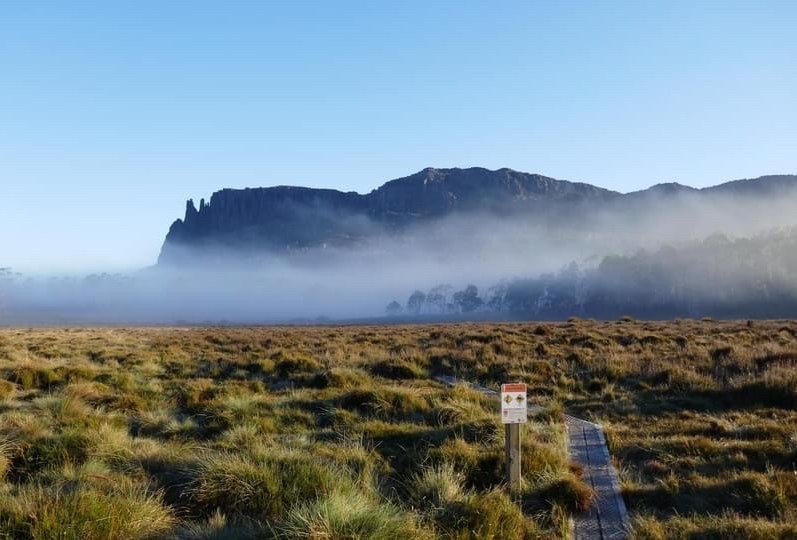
562,250
719,277
493,214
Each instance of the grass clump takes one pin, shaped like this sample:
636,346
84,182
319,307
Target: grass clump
70,447
712,527
33,377
261,487
568,492
294,364
399,369
395,403
436,486
350,515
341,378
84,512
6,390
5,458
490,515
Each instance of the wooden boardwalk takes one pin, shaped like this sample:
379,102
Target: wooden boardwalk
607,519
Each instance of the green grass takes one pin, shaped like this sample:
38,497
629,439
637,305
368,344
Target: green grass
350,515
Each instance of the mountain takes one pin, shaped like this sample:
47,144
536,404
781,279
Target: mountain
285,218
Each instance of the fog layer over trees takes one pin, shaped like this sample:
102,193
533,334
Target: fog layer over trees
666,252
743,278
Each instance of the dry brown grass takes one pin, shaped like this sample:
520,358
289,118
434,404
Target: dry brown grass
202,429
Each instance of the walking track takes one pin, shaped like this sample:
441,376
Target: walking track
607,518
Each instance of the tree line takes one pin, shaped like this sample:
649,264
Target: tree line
719,277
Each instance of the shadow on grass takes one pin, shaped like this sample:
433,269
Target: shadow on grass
748,494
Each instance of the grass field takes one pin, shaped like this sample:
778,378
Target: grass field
331,432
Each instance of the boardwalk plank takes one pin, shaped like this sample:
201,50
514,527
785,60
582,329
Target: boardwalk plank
608,517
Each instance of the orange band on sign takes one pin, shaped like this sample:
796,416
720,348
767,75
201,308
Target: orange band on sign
513,387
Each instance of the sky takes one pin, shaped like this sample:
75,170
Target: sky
112,114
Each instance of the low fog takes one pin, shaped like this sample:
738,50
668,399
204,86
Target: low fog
721,251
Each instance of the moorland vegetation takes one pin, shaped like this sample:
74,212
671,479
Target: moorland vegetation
339,432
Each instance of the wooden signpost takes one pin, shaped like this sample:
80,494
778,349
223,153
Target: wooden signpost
514,411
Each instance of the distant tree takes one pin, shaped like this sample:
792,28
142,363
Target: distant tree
393,309
523,296
732,278
415,302
468,300
437,299
6,281
496,296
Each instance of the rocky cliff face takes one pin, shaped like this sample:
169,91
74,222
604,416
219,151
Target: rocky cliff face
437,192
284,218
295,218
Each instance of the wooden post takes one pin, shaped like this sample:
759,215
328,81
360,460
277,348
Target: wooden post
514,411
512,442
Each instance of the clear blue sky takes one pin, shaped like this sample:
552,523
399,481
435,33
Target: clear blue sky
113,113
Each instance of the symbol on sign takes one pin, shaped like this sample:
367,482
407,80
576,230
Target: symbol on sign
513,403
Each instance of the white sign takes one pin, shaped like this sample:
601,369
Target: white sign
514,409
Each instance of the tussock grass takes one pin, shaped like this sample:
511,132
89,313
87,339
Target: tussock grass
491,515
6,450
436,486
712,527
263,486
567,492
350,515
7,390
328,432
84,510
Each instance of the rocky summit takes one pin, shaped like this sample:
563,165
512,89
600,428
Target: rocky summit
286,218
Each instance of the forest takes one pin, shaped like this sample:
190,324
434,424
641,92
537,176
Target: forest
716,277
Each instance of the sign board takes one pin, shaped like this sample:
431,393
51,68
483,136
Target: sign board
514,409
